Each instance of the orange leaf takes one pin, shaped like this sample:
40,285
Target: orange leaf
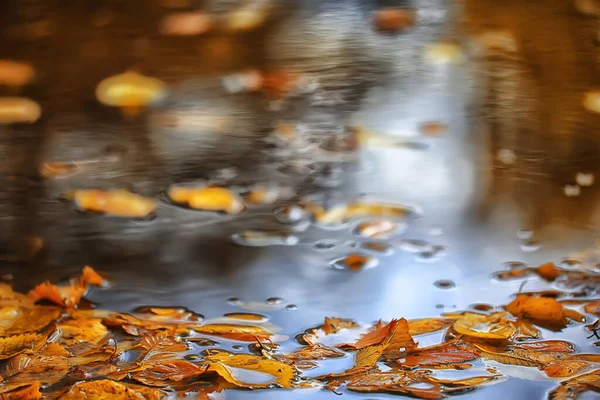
593,308
374,336
29,391
428,325
333,325
440,355
107,389
91,277
400,342
243,333
543,311
565,369
66,296
571,388
548,271
394,381
165,373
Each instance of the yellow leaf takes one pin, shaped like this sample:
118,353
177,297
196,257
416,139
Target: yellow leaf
572,388
428,325
107,389
245,333
82,330
27,368
161,348
13,345
480,326
565,369
284,374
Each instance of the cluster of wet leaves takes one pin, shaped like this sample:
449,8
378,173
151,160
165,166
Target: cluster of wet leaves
54,347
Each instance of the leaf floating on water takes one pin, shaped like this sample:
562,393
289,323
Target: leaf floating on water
118,203
29,391
13,345
66,296
91,277
428,325
545,312
283,373
107,389
243,333
394,381
548,271
487,327
334,325
316,352
593,308
29,320
565,369
356,210
572,388
209,198
166,373
15,110
442,355
27,368
161,348
89,330
506,358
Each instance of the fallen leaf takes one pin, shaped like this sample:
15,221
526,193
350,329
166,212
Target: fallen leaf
27,368
545,312
66,296
54,349
166,373
572,388
208,198
487,327
586,357
556,346
565,369
400,342
89,330
243,333
441,355
91,277
162,348
506,358
107,389
13,345
29,320
394,381
30,391
374,336
334,325
315,352
467,382
283,373
525,330
548,271
119,203
428,325
593,308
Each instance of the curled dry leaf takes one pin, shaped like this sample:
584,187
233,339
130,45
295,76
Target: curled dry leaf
565,369
593,308
572,388
66,296
284,374
334,325
166,373
444,355
105,389
30,391
545,312
428,325
486,327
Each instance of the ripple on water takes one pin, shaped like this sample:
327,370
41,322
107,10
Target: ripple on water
444,284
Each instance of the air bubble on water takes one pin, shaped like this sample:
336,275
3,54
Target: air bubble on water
264,239
273,301
515,265
572,190
376,247
482,307
585,180
439,306
570,263
379,229
290,214
414,246
234,301
325,244
291,307
444,284
530,246
238,347
192,357
525,234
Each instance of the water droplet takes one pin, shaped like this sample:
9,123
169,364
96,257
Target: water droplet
354,262
584,180
530,246
325,244
444,284
237,347
290,214
506,156
273,301
414,246
192,357
376,247
264,239
291,307
515,265
254,317
570,263
572,190
525,234
234,301
223,175
439,306
379,229
482,307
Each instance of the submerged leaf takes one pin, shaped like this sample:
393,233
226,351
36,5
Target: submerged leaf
107,389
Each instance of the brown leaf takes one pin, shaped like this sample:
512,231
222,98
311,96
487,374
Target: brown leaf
315,352
428,325
586,357
29,391
593,308
565,369
161,348
467,382
394,381
31,320
89,330
333,325
13,345
400,341
545,312
443,354
572,388
525,330
284,374
166,373
27,368
99,370
558,346
508,357
107,389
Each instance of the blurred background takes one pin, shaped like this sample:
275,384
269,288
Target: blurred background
480,116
